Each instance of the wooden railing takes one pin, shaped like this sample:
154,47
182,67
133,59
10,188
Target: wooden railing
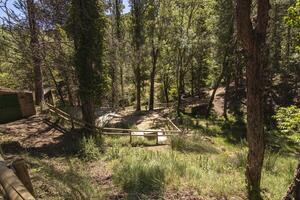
115,131
15,185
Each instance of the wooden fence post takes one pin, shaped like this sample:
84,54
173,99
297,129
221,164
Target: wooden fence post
130,137
22,173
72,123
13,187
157,138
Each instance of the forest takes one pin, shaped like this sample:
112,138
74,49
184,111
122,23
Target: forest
150,99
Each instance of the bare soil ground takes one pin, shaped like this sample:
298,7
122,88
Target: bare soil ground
143,120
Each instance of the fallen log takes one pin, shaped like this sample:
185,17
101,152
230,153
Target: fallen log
12,186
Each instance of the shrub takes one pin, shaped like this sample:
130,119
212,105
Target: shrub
91,148
288,119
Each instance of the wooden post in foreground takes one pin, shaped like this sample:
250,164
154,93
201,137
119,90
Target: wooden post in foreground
13,187
22,173
130,137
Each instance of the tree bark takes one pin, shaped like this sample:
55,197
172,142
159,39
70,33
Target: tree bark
227,84
166,87
253,41
138,86
152,77
138,41
35,52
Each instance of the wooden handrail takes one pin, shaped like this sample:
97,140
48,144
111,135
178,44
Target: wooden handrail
116,131
174,125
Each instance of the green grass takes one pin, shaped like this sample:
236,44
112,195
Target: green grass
206,161
62,178
213,168
192,144
220,175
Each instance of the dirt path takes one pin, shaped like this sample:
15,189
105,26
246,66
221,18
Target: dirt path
144,120
31,132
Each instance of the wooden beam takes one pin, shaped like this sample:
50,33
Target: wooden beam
22,173
12,186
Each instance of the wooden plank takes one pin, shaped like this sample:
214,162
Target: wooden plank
22,173
143,131
115,134
173,124
12,186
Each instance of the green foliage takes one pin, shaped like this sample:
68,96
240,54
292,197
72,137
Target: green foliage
288,119
86,26
91,148
293,20
113,152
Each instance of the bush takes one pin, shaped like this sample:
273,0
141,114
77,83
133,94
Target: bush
91,147
288,119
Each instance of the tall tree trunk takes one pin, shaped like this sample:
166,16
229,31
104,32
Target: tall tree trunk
253,41
88,32
118,21
122,81
138,41
152,77
138,88
192,81
227,84
35,52
166,87
114,81
179,90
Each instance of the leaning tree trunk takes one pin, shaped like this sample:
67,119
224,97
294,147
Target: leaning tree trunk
35,52
294,189
253,39
212,97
